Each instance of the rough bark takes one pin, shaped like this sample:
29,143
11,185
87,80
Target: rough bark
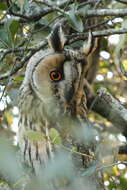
110,108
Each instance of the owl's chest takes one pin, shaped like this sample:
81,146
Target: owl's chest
40,125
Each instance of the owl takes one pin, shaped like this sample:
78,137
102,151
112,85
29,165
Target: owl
52,96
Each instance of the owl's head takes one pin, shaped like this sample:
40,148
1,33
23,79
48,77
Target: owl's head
54,75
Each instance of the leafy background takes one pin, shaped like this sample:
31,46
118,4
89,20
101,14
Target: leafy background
19,35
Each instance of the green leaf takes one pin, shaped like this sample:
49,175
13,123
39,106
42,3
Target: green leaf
74,6
75,21
3,6
35,135
19,79
3,38
55,136
82,11
14,25
11,27
74,149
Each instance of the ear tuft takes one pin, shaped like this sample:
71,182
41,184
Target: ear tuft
88,45
56,39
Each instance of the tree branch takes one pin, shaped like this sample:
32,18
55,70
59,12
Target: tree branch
33,49
82,36
103,12
111,109
123,149
17,67
24,60
41,13
87,13
72,38
122,1
111,165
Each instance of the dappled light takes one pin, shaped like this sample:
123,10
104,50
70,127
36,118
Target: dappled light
63,95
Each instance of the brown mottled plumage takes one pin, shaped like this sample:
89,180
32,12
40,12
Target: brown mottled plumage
52,96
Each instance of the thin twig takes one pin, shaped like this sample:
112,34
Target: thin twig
98,24
89,13
7,82
19,49
111,165
86,3
103,12
122,1
17,67
43,12
72,38
79,153
82,36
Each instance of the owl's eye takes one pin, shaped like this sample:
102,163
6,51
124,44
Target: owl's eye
55,75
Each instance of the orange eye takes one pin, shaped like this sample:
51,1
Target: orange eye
56,75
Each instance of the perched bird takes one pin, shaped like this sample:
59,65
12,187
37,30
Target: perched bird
52,96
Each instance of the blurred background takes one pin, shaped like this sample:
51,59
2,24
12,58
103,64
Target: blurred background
108,68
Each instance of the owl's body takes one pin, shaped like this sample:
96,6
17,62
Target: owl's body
51,96
47,108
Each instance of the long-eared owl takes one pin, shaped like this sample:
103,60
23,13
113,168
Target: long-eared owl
52,96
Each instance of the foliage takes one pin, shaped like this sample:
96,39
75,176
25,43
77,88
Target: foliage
24,26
